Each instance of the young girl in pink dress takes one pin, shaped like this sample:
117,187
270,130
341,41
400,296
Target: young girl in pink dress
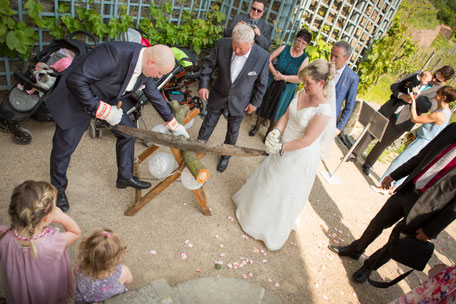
35,263
100,274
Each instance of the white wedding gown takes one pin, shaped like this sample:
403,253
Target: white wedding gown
269,203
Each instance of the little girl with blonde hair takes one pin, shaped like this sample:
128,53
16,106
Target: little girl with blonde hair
100,274
35,263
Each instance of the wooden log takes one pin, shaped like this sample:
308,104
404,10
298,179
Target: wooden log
197,169
189,144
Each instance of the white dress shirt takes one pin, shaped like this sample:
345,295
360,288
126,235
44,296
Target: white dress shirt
237,63
338,74
136,72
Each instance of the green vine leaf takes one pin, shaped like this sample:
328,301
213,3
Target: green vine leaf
34,10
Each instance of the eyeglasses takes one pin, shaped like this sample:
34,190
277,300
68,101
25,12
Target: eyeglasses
436,79
303,42
256,10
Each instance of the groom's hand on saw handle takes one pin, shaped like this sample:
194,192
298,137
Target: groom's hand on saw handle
176,128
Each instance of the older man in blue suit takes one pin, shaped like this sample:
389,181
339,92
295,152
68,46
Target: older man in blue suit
91,88
346,83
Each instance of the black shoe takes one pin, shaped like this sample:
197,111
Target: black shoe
223,164
366,169
345,251
253,131
352,158
62,201
361,275
133,182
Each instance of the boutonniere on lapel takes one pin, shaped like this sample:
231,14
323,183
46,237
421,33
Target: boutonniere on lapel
142,87
252,73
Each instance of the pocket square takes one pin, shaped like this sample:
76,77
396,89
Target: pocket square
142,87
252,73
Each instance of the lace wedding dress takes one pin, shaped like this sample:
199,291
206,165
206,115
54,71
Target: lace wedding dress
269,203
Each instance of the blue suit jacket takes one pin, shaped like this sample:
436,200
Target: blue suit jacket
346,89
102,74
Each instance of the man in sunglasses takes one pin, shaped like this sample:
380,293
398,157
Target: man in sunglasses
397,110
261,28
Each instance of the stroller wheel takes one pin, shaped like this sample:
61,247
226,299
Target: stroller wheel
94,131
200,104
22,136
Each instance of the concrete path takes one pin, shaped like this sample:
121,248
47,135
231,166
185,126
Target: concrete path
207,290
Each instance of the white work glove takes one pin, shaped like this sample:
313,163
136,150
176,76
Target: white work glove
273,136
176,128
109,113
273,147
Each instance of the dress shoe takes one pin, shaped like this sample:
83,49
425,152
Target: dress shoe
352,158
62,201
366,169
223,164
253,131
362,274
133,182
345,251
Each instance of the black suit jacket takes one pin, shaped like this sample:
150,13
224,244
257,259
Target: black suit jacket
103,74
265,30
436,207
249,86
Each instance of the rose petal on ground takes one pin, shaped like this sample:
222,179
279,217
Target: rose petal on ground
222,254
250,275
221,245
229,265
190,245
244,276
341,293
210,209
256,250
325,297
186,242
230,218
153,252
198,270
184,255
265,261
316,285
276,285
247,238
269,280
185,204
216,236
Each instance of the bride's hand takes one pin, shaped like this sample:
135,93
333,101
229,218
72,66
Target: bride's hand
273,147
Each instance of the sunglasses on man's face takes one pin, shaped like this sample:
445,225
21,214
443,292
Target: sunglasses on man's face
436,79
256,10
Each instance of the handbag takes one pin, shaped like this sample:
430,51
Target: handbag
409,251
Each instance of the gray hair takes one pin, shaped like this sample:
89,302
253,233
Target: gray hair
243,33
345,45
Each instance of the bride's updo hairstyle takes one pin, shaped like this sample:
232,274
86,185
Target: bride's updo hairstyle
319,69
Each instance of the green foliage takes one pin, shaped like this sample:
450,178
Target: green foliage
386,55
16,38
197,34
418,14
446,11
380,92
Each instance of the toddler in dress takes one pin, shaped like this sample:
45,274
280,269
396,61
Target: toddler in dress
100,274
35,263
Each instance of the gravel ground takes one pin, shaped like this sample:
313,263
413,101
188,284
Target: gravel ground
305,270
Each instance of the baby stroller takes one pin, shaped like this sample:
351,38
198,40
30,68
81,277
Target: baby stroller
27,98
173,86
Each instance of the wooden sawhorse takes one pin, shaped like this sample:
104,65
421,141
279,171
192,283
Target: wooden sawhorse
142,200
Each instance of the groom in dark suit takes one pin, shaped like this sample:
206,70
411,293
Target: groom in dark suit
346,83
92,87
260,27
241,83
426,202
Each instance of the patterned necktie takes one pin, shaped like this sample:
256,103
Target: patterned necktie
436,168
236,67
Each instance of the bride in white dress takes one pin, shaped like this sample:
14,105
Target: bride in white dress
269,203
